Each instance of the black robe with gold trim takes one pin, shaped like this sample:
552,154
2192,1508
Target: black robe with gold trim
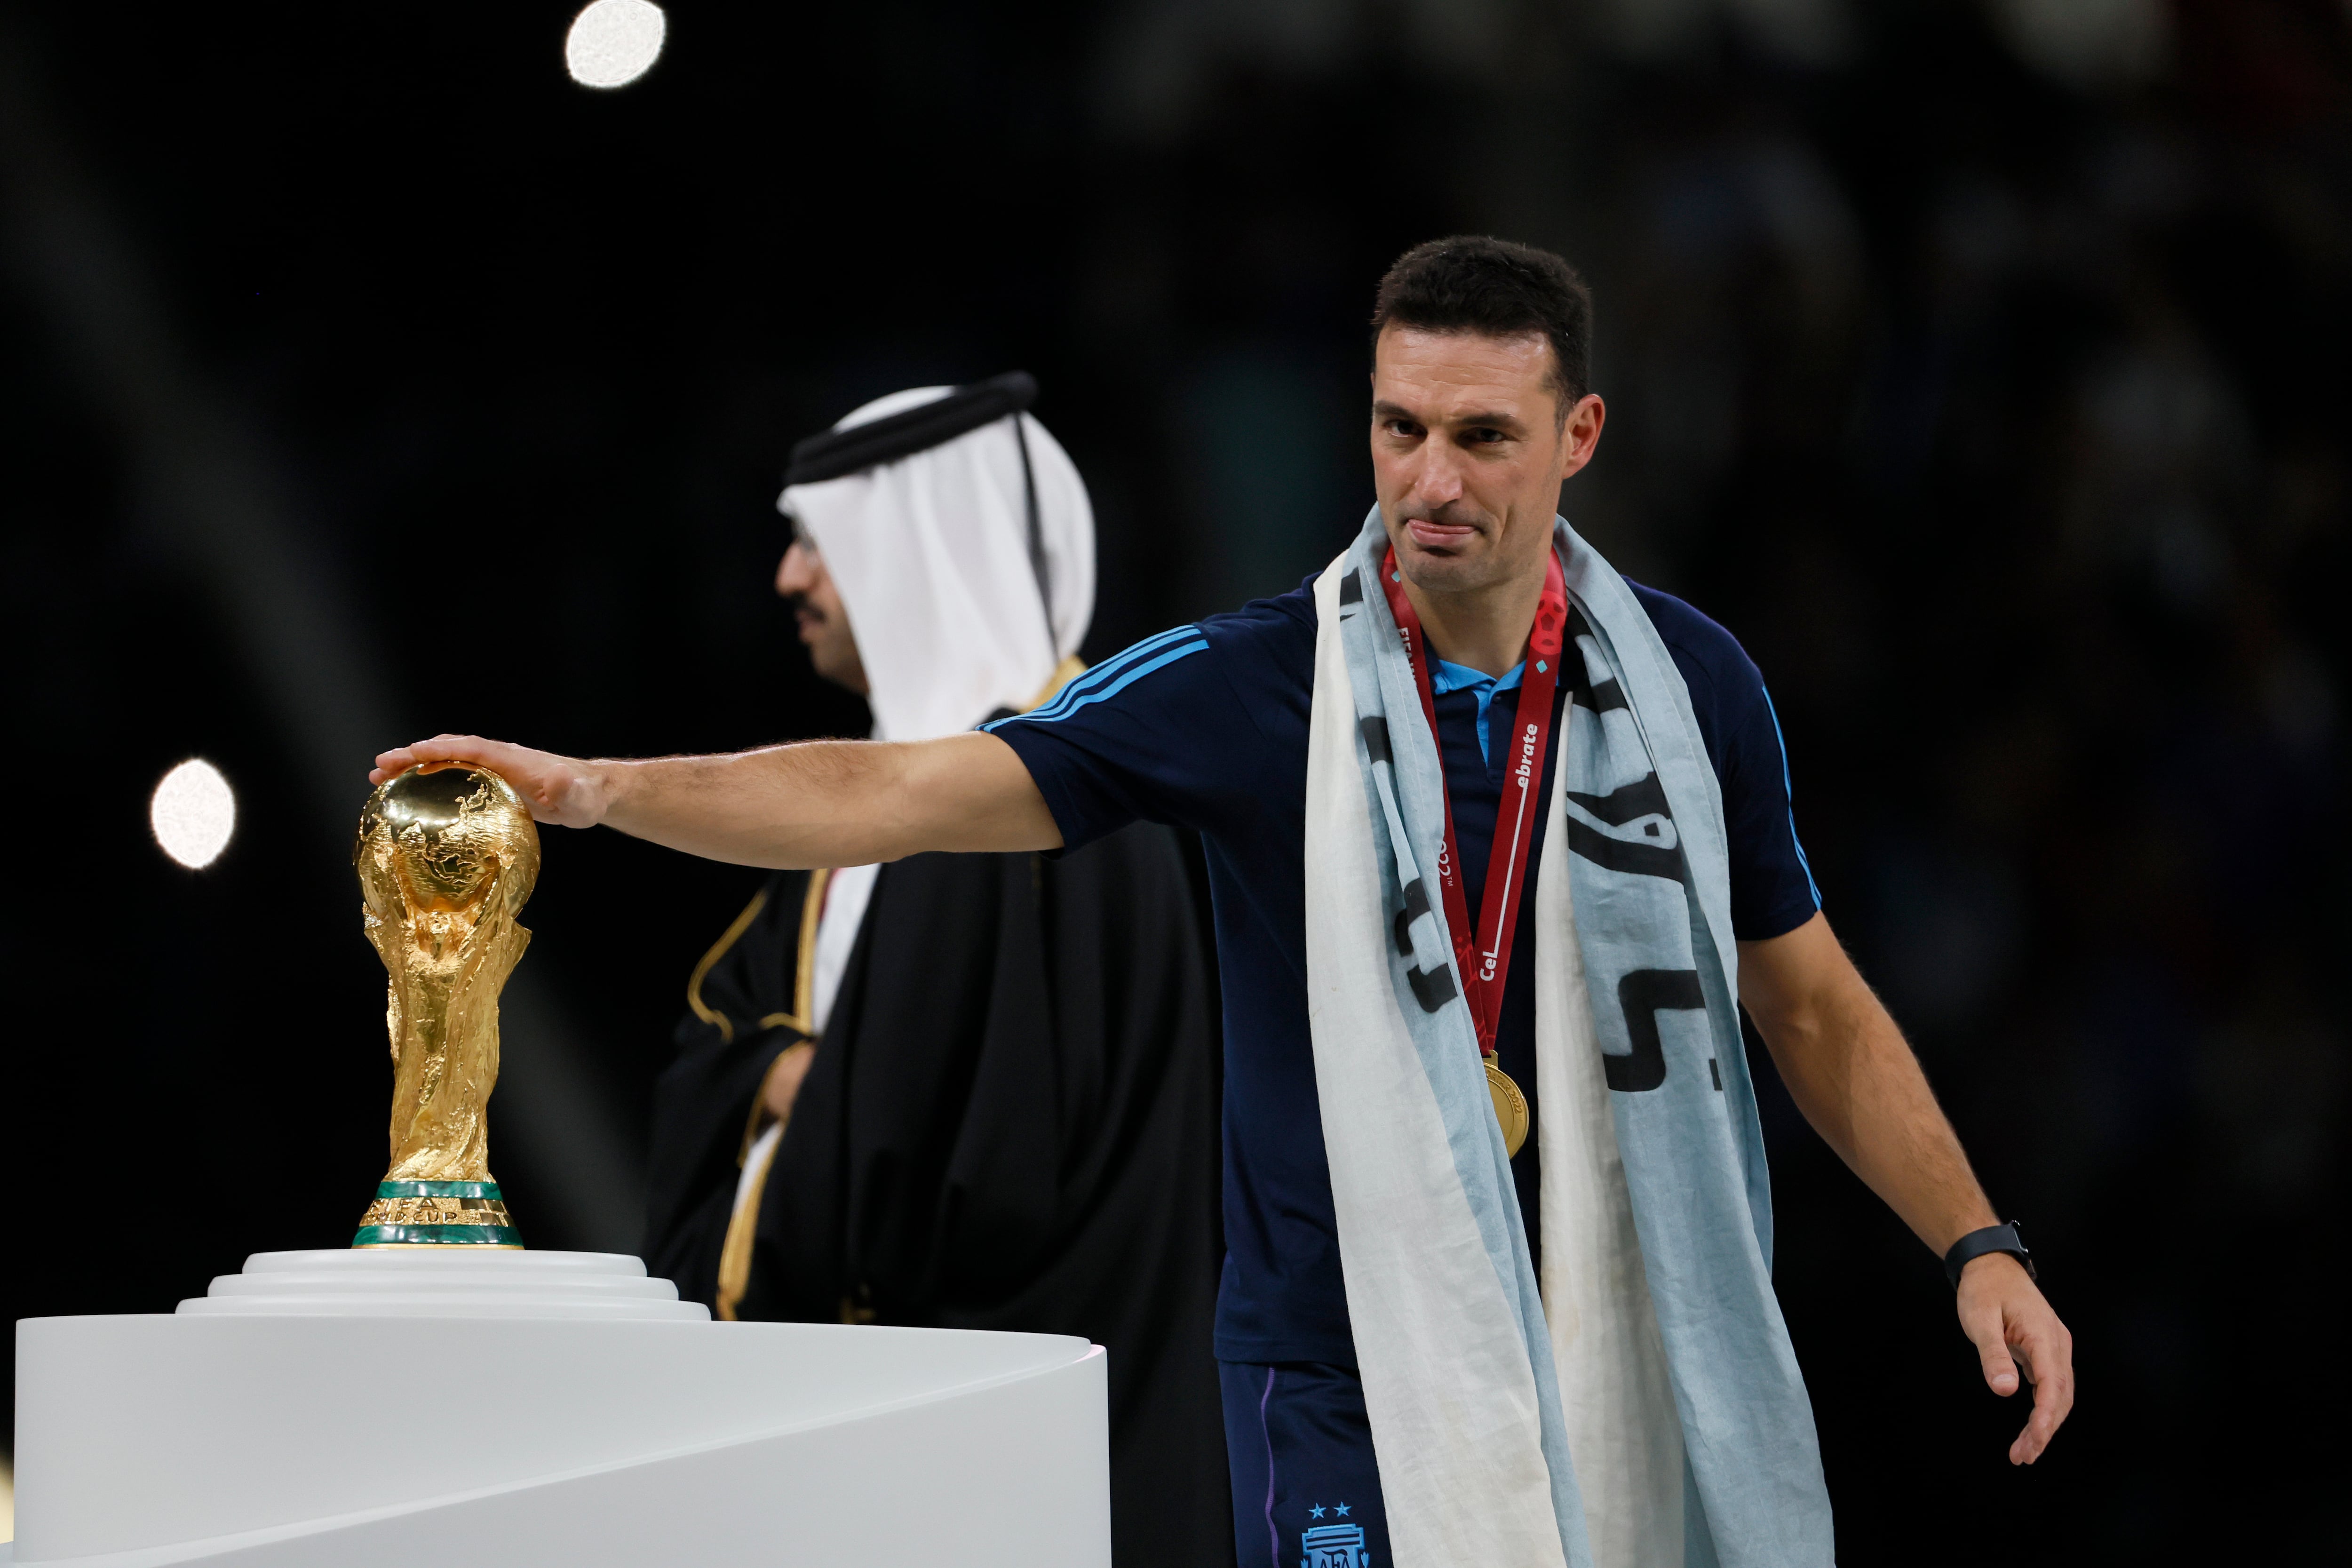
1010,1122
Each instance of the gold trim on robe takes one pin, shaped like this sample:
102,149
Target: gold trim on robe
744,1223
727,939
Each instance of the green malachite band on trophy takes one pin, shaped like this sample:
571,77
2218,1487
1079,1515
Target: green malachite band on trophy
437,1190
437,1234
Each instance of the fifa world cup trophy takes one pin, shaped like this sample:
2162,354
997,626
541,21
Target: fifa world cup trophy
445,860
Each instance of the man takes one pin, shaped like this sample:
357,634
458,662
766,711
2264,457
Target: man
963,1091
1498,1281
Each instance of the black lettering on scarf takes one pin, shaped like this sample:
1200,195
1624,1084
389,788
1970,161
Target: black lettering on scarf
1416,904
1601,696
1432,988
1643,798
1598,695
1629,856
1641,995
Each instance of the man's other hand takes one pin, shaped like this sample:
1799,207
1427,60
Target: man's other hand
786,1075
562,791
2005,1316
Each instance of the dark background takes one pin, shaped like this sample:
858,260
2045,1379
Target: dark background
1982,367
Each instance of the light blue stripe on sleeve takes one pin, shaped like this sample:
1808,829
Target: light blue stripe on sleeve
1126,669
1106,669
1078,692
1789,791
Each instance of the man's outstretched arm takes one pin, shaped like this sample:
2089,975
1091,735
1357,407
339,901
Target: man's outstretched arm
820,803
1853,1076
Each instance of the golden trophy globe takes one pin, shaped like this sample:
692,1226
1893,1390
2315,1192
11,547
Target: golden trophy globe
447,858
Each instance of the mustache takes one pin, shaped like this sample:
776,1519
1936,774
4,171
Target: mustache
799,604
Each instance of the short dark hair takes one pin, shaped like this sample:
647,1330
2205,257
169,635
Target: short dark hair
1496,288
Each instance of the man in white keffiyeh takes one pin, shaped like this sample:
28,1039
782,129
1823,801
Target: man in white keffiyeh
963,1091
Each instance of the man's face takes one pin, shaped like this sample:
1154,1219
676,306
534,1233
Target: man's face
806,586
1468,453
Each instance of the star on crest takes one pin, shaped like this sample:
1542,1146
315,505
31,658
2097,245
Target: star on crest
1315,1513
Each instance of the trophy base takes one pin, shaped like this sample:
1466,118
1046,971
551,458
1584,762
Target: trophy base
438,1213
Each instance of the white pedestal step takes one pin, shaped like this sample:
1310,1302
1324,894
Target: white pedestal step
445,1282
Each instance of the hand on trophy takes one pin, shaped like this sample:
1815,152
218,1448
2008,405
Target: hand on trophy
562,791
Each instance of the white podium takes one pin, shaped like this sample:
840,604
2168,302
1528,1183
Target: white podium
472,1409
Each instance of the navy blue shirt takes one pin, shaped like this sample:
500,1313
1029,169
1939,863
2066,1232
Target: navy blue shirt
1205,727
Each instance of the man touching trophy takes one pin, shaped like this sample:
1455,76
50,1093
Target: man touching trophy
598,1418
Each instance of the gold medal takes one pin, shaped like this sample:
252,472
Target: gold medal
1510,1107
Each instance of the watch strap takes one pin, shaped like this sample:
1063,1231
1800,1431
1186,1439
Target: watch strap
1977,1243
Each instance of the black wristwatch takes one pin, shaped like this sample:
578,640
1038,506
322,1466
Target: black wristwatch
1977,1243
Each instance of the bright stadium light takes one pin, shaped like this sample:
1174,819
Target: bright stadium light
614,42
194,813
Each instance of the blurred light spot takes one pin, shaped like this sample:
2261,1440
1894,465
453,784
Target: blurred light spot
194,813
614,42
2088,44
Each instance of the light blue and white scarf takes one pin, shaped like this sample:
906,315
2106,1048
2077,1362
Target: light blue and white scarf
1641,1407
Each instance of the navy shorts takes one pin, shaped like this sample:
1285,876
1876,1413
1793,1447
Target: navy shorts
1307,1489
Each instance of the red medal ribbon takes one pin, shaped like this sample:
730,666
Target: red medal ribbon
1481,954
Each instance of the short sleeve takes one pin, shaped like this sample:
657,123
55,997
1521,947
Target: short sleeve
1772,890
1134,737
